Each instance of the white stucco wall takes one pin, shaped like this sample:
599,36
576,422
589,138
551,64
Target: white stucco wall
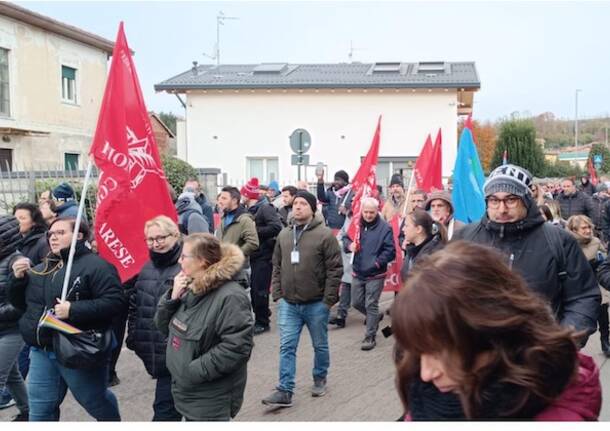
258,124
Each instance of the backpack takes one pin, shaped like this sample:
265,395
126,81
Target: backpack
183,220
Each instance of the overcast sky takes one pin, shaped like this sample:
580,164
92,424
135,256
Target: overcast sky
531,56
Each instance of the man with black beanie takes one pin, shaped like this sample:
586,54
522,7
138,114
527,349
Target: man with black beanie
336,200
307,270
547,257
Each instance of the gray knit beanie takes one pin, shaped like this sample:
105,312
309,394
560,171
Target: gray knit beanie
509,179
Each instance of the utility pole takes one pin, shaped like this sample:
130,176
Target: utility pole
576,117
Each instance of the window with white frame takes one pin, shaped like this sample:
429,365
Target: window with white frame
68,84
5,95
266,169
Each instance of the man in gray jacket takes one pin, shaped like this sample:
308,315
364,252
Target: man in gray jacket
307,271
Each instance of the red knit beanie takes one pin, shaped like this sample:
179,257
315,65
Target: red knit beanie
250,190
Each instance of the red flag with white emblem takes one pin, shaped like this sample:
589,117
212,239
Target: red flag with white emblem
132,187
363,185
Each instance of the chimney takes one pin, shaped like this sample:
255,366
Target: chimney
194,69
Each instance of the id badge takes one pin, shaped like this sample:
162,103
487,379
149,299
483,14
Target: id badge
294,257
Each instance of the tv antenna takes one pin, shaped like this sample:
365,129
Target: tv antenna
220,18
350,54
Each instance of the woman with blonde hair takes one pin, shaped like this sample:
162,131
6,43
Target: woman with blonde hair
537,194
474,342
582,228
208,319
155,278
555,209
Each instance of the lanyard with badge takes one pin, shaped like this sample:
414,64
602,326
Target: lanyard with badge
295,255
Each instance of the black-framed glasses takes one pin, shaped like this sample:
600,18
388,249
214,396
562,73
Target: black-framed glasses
158,239
509,202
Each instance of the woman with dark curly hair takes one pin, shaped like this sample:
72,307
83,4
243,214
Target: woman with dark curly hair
473,342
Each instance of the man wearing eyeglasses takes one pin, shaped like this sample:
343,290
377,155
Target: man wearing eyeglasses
547,257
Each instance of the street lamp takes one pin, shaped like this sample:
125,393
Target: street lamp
576,116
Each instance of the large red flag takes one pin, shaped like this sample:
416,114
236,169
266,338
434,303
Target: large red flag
363,185
132,188
393,281
423,162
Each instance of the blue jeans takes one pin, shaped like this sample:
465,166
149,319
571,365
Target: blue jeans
48,382
291,319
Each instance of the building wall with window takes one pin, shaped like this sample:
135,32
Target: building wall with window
51,87
246,133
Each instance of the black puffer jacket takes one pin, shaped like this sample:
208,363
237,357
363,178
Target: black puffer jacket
10,239
268,226
416,252
35,245
143,337
575,204
575,301
94,291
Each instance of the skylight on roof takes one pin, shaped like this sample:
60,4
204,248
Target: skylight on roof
386,67
270,68
431,67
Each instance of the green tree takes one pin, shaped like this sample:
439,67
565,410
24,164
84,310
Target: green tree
518,137
169,119
604,152
177,171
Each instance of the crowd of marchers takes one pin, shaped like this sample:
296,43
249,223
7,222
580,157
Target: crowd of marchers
488,323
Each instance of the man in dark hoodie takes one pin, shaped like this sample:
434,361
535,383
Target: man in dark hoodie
268,225
190,217
336,200
549,258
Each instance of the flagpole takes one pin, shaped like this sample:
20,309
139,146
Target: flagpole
79,216
404,209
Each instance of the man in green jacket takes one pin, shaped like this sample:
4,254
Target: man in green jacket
307,270
237,227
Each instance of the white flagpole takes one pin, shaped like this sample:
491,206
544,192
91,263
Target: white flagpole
79,216
404,209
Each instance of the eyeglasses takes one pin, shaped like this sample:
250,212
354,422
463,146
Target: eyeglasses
186,256
158,239
509,201
56,233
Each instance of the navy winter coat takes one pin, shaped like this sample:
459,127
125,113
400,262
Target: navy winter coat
376,249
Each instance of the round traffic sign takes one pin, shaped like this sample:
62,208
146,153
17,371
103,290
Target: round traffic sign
300,141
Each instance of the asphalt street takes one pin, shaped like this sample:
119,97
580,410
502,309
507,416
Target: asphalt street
360,384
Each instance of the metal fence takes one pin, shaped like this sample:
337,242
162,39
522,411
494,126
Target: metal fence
25,183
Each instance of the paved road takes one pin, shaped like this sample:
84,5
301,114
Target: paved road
361,384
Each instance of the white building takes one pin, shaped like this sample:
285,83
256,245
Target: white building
52,79
239,117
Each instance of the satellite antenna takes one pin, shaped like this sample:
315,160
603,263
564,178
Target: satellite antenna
220,18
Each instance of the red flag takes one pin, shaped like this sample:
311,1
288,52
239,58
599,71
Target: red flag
423,162
429,173
468,122
592,172
363,185
393,281
132,188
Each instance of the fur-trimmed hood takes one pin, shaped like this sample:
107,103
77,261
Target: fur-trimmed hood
224,270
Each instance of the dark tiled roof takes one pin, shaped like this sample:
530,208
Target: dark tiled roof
341,75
